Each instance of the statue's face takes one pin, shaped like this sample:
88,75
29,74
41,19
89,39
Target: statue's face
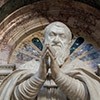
57,38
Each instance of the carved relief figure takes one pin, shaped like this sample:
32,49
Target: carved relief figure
54,76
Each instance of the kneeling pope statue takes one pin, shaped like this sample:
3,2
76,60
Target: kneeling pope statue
53,76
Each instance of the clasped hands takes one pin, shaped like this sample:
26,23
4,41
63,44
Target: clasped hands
48,54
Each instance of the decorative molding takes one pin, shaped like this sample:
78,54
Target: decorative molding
82,19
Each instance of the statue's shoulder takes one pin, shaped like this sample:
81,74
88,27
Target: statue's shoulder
30,65
76,64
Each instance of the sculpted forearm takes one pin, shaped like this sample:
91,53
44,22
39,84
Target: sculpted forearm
29,89
72,88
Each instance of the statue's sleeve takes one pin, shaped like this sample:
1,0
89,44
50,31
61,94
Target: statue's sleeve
73,88
28,89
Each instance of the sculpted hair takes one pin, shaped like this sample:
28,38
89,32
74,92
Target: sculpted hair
48,28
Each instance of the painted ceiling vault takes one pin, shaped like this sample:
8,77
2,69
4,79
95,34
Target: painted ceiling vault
22,23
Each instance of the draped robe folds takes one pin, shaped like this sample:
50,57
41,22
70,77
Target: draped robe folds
75,69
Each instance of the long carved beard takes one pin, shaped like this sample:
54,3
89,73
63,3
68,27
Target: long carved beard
61,54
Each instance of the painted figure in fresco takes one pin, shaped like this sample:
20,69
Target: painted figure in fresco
54,76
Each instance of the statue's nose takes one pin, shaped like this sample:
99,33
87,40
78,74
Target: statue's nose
56,39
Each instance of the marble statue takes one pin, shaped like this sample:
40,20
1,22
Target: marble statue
54,76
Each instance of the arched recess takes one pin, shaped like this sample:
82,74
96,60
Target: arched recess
16,27
82,19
